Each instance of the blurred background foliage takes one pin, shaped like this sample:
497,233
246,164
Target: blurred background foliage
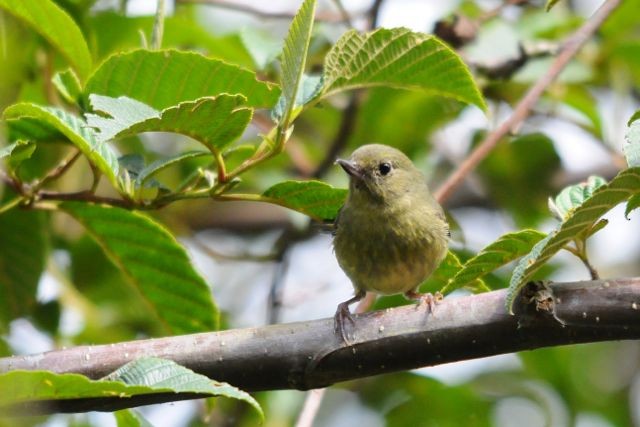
266,264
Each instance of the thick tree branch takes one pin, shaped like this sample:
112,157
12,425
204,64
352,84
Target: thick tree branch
309,355
569,49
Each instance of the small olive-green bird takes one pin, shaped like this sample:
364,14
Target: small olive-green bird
391,234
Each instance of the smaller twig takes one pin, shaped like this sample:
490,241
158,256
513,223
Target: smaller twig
341,138
158,26
228,257
506,69
259,157
457,31
274,302
221,167
84,196
310,408
345,15
490,14
11,182
96,177
10,204
571,46
581,253
203,193
47,79
3,36
245,8
58,170
374,14
301,162
592,271
143,39
282,246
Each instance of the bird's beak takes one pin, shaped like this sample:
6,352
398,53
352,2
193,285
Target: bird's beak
350,167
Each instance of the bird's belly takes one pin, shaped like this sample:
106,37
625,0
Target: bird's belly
399,278
387,270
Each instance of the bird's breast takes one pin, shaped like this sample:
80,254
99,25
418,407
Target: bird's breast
388,253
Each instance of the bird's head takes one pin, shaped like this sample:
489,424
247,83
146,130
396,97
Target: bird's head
380,173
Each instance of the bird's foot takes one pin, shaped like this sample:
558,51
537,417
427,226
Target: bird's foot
340,318
427,298
343,314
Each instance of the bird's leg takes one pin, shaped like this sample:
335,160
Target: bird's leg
343,313
430,299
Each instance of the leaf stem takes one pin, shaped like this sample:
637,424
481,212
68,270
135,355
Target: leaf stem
10,181
581,253
158,26
85,196
59,170
10,204
343,11
261,155
222,168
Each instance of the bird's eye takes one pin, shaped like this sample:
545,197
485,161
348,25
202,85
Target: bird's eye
384,168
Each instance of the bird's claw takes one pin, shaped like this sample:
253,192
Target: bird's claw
427,298
342,314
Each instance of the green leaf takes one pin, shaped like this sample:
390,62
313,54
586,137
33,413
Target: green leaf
18,151
448,268
507,248
294,57
261,45
68,85
550,4
632,148
635,116
165,78
632,204
21,153
57,27
596,227
31,129
310,87
161,164
579,98
529,161
573,196
314,198
143,376
214,121
398,58
75,129
375,123
238,153
180,31
134,165
122,112
23,248
130,418
580,220
154,263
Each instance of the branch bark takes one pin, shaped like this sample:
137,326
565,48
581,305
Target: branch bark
571,46
308,355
